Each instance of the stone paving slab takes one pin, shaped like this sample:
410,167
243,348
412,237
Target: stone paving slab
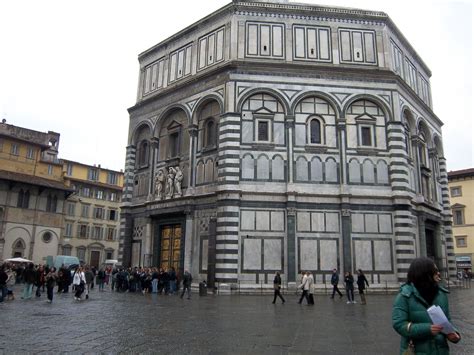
111,323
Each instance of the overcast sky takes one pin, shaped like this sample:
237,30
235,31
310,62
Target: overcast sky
71,66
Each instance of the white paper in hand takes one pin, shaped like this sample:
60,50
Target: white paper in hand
438,317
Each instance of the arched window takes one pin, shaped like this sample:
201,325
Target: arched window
143,153
210,133
422,150
315,131
18,249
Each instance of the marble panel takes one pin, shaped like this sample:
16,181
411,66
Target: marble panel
383,255
328,254
354,171
363,254
303,221
300,135
371,223
248,168
382,172
263,220
357,223
263,168
272,254
247,131
279,133
309,254
278,169
316,170
301,170
277,221
247,220
332,222
368,171
252,254
385,223
331,170
317,222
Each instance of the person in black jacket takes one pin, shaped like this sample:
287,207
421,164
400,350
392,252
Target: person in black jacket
29,276
3,283
361,282
349,281
334,282
187,280
277,288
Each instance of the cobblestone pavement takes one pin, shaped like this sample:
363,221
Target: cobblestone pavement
111,322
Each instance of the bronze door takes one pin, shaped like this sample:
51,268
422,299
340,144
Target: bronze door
170,252
95,258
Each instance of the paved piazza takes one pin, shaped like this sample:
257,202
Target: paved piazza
135,323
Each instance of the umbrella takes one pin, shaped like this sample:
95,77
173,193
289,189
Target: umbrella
18,260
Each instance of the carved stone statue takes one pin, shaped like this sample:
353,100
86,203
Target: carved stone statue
170,182
178,178
159,185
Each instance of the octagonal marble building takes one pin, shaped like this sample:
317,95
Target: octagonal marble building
278,136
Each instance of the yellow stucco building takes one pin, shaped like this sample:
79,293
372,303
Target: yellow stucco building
91,214
461,189
50,206
32,193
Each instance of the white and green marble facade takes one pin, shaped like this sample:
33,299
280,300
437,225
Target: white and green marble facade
286,204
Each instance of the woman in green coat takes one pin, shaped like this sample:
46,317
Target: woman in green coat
410,316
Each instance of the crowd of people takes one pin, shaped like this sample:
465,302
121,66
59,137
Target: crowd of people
81,279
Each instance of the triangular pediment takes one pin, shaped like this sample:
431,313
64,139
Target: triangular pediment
174,125
458,205
263,110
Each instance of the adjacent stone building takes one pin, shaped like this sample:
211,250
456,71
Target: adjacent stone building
461,187
275,136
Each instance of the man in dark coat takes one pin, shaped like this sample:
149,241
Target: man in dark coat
187,280
334,282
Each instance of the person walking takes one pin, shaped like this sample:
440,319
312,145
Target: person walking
187,280
10,282
39,280
79,283
361,283
349,282
172,278
101,279
311,288
304,286
89,275
277,288
334,283
410,318
3,283
29,279
51,279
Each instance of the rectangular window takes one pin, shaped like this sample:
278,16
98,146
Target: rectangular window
109,255
265,39
30,153
50,170
99,194
366,136
69,169
461,242
456,191
110,233
112,215
1,144
68,230
97,234
67,250
85,211
112,178
357,46
113,196
263,130
98,213
458,217
180,63
71,209
82,231
174,144
15,149
93,174
86,192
